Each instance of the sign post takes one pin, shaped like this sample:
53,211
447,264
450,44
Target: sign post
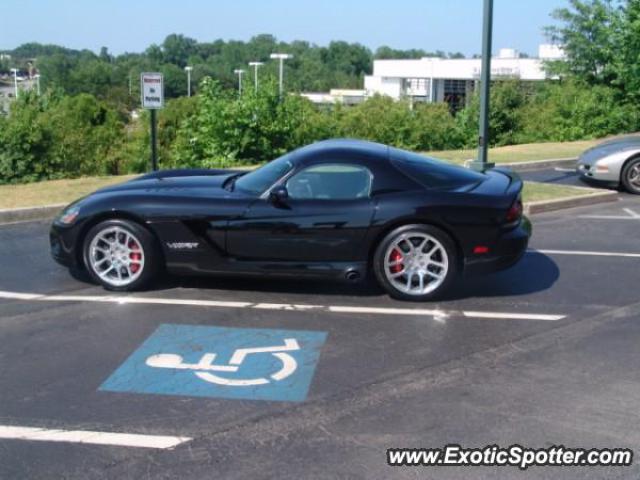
482,163
152,97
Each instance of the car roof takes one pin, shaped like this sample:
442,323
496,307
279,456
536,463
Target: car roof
346,147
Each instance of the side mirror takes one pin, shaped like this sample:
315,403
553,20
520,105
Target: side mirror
279,194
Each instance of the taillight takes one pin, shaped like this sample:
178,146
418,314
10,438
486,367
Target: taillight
515,212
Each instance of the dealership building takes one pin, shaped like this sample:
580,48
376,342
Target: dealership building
432,79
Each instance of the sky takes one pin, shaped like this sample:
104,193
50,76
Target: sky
133,25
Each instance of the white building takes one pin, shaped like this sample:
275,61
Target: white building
433,79
337,95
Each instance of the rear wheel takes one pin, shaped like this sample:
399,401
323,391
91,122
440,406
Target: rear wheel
416,262
121,255
631,176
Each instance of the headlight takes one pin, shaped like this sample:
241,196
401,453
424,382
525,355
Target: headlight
69,215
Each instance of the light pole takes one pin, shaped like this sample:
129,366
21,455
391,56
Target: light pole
239,72
188,70
281,57
37,77
15,80
482,164
255,66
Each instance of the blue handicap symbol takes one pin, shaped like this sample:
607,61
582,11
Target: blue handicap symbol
241,363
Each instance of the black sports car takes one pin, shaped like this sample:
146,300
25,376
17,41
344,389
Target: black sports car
337,208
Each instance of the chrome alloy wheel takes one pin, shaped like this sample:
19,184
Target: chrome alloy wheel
116,256
416,263
634,175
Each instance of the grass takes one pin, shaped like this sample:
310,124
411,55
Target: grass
535,192
521,153
52,192
65,191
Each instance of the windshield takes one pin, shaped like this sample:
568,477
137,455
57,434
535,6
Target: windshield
258,181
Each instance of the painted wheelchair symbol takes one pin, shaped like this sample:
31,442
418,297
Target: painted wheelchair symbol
205,366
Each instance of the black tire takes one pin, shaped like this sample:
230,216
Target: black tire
631,173
150,250
445,241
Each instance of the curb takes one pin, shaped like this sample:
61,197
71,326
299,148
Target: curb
544,206
535,165
26,214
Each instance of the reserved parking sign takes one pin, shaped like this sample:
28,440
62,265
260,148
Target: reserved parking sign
152,90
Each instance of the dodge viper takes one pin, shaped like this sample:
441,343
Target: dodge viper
340,209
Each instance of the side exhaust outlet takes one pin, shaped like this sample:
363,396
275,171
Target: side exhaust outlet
352,275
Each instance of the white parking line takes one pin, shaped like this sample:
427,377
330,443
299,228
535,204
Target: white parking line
388,311
608,217
512,316
590,254
10,432
630,215
438,314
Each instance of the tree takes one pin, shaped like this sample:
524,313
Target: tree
105,56
226,130
175,80
340,64
352,59
386,53
176,49
627,62
589,37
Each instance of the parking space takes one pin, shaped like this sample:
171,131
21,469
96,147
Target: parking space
562,176
263,378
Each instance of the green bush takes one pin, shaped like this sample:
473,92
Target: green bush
258,127
434,128
507,99
24,142
573,111
85,136
56,136
225,130
379,119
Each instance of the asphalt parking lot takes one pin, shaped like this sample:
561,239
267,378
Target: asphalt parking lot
559,176
542,354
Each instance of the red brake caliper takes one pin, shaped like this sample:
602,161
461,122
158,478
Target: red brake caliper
396,256
135,256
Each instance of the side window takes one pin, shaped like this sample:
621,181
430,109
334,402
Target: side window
330,182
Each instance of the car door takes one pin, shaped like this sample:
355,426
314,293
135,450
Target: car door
325,218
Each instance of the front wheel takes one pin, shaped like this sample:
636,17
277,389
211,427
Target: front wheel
416,262
121,255
631,176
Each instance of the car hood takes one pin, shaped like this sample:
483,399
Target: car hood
196,185
623,140
604,149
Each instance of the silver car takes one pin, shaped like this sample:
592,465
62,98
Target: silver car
613,163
